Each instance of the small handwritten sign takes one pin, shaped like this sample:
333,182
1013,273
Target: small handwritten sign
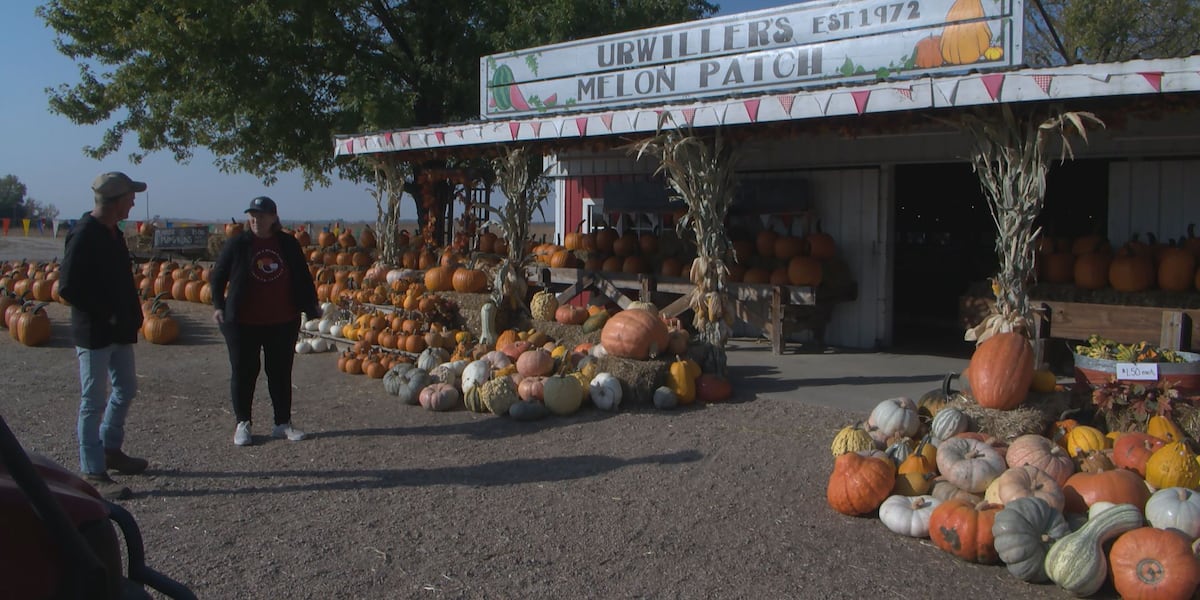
180,238
1137,371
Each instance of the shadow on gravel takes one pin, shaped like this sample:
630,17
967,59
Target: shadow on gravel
486,427
505,472
753,379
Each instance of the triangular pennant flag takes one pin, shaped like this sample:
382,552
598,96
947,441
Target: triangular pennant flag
632,117
1154,78
822,101
860,99
387,138
350,146
537,128
993,82
949,90
752,109
786,101
558,125
441,136
513,128
689,116
362,143
581,125
459,133
905,91
1043,81
404,139
607,120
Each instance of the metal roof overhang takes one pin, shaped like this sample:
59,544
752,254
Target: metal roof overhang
893,105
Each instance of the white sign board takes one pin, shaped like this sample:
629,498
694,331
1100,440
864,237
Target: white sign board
814,43
1137,371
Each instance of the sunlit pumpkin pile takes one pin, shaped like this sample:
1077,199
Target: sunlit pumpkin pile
25,289
1044,506
525,375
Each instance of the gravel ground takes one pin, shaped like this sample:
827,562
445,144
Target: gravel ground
390,501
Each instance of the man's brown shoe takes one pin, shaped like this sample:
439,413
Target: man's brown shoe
108,488
124,464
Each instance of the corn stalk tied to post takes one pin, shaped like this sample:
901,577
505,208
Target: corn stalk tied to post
1008,154
701,173
526,192
390,175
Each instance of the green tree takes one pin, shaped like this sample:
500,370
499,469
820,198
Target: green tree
265,84
12,197
1109,30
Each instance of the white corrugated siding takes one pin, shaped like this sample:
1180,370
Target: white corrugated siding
1157,196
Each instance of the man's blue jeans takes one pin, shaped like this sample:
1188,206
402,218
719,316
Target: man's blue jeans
101,414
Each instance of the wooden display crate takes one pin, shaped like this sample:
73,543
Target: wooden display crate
1173,328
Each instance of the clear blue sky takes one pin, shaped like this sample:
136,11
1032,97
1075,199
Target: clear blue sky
45,150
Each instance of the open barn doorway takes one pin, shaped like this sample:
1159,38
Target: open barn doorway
945,243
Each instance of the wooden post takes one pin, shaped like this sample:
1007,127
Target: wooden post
1041,332
647,286
1176,330
776,320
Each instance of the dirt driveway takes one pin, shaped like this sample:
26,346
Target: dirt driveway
389,501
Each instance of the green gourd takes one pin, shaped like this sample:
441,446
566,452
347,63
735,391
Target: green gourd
1077,562
595,322
1024,531
487,324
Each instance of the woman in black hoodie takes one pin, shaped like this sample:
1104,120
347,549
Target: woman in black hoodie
260,285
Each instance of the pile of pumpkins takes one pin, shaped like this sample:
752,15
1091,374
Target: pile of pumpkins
1090,263
526,375
1043,505
25,290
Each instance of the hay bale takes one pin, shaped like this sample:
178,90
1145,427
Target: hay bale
567,335
468,307
639,378
1033,416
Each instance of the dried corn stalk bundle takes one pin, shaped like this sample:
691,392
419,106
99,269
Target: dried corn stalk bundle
390,175
701,172
1009,155
526,192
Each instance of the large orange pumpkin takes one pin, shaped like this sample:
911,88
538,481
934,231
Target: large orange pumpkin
1001,370
1154,563
859,484
965,530
634,333
1130,271
1176,269
963,44
1118,486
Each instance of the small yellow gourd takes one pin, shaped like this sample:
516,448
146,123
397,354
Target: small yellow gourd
681,378
851,438
1083,438
1173,465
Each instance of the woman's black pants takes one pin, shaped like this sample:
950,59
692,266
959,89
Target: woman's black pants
277,343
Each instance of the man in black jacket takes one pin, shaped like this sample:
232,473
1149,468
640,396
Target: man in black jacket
97,280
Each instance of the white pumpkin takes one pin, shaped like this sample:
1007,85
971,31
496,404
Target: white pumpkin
605,391
1175,508
969,464
321,345
562,395
498,359
326,325
328,309
476,373
312,325
896,416
908,515
303,347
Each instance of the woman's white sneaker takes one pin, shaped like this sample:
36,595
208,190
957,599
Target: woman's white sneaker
287,431
241,435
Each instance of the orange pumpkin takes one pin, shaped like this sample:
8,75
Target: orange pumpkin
928,52
1176,269
859,484
1118,486
1001,370
713,388
1130,271
1091,270
635,333
469,280
965,530
439,279
965,43
1133,449
1154,563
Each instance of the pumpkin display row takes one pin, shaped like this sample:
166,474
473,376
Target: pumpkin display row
1090,263
1043,507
